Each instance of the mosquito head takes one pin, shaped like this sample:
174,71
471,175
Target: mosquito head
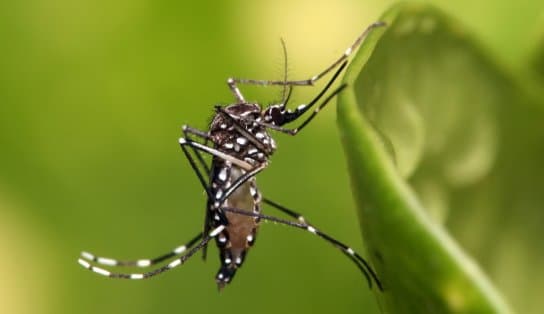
278,115
273,115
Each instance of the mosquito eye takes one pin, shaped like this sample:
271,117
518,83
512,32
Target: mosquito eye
277,116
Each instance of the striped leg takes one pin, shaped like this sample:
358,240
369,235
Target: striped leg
356,258
292,116
214,152
179,261
232,82
239,181
362,264
188,131
283,209
303,220
286,210
145,262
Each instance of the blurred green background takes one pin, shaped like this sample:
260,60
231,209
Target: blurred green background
92,97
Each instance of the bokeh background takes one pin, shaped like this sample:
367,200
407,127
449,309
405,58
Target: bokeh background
92,97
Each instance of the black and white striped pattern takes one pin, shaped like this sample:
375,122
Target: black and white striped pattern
361,263
145,262
87,258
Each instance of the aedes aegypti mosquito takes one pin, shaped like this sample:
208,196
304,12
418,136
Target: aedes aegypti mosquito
241,147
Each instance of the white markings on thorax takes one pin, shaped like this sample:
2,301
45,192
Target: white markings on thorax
252,151
228,145
218,194
222,175
241,140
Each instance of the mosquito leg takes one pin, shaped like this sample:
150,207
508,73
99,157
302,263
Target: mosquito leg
286,210
204,185
179,261
201,160
195,169
141,262
354,256
301,109
235,90
290,116
212,151
316,111
311,81
187,131
222,196
251,170
310,118
300,218
177,251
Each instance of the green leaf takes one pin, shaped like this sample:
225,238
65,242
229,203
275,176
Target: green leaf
538,58
427,123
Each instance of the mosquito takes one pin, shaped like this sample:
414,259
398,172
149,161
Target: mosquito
240,145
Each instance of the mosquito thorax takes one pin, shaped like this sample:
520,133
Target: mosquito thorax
238,130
